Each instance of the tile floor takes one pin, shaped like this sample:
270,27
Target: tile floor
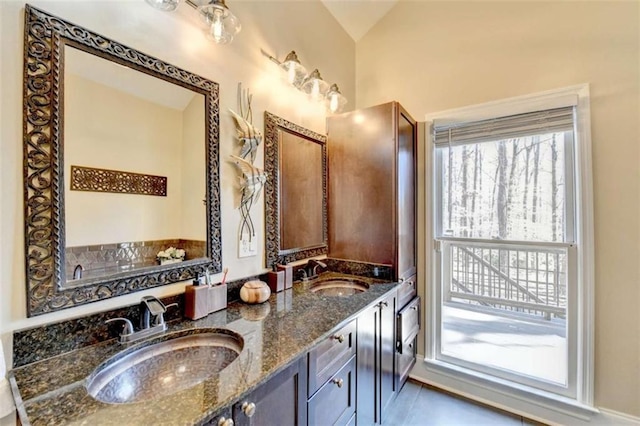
419,405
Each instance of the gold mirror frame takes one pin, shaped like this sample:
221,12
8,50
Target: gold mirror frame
274,252
44,41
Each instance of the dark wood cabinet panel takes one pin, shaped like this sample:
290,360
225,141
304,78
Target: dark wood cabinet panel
406,199
367,366
376,360
335,402
387,352
405,360
372,187
408,323
280,401
330,355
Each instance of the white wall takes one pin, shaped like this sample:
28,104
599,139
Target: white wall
276,27
443,55
126,133
194,213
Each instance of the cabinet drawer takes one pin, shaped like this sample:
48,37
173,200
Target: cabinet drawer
335,402
330,355
407,291
405,358
408,322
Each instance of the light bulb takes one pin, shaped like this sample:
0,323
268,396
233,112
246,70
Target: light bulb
335,100
291,74
217,26
333,103
315,90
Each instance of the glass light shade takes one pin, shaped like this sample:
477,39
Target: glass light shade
164,5
223,25
295,72
315,86
335,100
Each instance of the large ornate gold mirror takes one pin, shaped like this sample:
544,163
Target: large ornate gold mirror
121,163
295,191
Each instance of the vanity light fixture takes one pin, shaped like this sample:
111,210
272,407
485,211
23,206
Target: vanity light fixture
312,84
223,25
315,86
164,5
335,100
296,73
221,22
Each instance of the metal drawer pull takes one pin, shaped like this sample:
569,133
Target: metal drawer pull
339,337
225,422
384,304
248,408
414,308
410,345
337,382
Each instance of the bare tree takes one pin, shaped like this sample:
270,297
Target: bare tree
554,189
501,205
465,193
536,172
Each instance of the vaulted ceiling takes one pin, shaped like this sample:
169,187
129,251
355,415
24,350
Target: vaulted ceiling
357,17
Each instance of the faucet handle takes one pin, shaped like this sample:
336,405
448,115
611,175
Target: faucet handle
153,305
127,329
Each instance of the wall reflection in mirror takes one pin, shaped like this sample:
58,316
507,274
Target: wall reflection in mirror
296,196
142,137
119,119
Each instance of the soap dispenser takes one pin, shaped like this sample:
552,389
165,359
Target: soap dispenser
196,299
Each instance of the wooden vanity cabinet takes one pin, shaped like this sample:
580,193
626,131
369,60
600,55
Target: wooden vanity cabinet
372,187
376,381
408,326
280,401
332,379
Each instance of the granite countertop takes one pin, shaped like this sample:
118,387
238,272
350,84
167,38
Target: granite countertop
275,333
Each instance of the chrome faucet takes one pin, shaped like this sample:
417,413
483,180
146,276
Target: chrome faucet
312,268
77,272
151,320
152,307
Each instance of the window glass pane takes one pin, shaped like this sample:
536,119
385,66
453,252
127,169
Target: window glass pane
506,309
510,189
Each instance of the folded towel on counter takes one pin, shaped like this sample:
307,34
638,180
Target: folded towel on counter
6,397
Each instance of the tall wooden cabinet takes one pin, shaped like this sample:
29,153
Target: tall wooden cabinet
372,187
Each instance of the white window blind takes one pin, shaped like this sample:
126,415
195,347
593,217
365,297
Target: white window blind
500,128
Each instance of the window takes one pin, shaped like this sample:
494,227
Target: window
511,242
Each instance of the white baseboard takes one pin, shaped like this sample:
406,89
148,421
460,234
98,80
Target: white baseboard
526,407
611,417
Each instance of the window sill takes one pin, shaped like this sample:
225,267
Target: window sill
472,384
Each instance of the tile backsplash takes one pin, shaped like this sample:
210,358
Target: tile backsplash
106,259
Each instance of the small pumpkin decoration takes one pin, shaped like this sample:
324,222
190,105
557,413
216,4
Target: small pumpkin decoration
255,292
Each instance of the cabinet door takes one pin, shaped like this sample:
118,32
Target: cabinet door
361,207
406,203
367,360
280,401
387,351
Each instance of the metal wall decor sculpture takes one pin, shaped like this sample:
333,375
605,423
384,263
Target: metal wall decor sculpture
116,181
253,178
44,41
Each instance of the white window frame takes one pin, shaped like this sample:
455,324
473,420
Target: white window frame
582,257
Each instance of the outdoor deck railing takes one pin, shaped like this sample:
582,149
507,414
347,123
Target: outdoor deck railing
524,279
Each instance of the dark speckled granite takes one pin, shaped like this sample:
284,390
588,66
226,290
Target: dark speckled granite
351,267
275,333
35,344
